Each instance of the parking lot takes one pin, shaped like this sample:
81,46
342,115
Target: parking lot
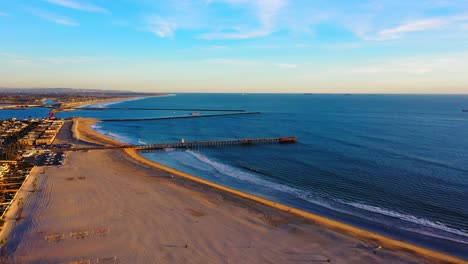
50,159
54,146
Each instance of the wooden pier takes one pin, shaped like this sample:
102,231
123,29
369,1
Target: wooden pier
193,144
217,143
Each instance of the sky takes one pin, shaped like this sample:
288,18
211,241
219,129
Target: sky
273,46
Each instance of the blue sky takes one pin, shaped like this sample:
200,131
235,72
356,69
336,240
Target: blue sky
325,46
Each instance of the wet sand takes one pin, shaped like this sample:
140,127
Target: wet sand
106,204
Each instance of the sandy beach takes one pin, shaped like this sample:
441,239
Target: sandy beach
112,206
70,105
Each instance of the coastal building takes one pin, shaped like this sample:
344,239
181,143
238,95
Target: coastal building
45,140
50,132
43,134
28,154
4,168
27,140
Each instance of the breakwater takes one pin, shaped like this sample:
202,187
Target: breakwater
156,109
176,117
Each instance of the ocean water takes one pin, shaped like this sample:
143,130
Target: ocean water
393,164
33,112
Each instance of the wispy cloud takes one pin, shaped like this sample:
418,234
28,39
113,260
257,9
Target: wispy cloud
429,24
344,46
285,65
234,62
88,7
55,18
415,66
250,63
403,68
266,13
236,35
216,47
75,60
412,26
160,26
2,14
18,59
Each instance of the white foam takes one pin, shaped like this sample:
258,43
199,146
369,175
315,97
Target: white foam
410,218
115,136
167,95
96,126
119,137
189,160
103,105
252,178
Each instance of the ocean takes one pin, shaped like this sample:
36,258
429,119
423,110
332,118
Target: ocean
392,164
33,112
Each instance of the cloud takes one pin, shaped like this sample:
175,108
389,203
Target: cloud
160,26
412,26
430,24
393,69
266,12
216,47
17,59
285,65
2,14
75,60
344,46
58,19
78,5
416,66
236,35
250,63
235,62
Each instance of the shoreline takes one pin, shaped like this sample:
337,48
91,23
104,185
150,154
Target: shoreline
109,101
386,242
73,106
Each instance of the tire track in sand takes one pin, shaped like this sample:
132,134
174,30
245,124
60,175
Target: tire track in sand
41,202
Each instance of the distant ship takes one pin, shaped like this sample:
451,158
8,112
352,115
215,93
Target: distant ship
465,110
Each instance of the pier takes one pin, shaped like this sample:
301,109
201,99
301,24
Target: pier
217,143
191,144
